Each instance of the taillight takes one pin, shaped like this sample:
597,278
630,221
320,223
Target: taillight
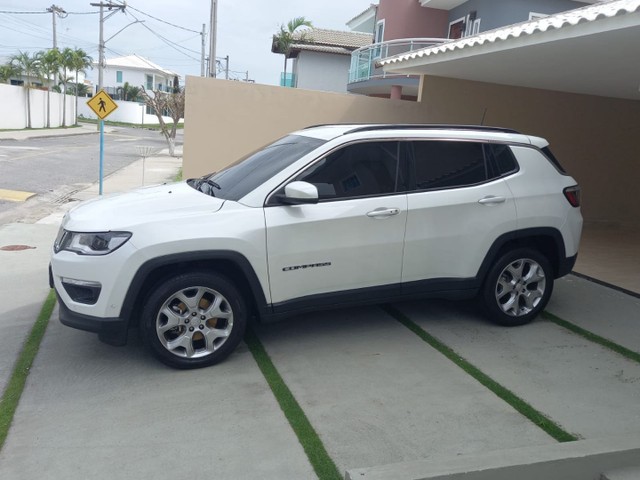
573,195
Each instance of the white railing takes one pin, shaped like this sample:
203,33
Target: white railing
363,60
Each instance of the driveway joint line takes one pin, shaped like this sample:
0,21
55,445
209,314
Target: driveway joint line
13,390
541,420
320,460
593,337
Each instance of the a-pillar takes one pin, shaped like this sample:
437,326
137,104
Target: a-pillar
396,92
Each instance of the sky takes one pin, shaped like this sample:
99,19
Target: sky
245,29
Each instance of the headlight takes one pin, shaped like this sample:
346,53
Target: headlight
100,243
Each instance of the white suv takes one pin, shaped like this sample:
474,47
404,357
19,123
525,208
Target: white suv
325,217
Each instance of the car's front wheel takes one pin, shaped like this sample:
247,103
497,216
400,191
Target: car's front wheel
518,287
194,320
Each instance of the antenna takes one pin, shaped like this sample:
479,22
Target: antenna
484,114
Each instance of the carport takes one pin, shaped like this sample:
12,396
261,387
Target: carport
574,79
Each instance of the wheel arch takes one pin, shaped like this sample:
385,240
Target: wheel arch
231,264
546,240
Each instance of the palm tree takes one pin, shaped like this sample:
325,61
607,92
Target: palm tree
128,92
79,89
283,40
50,62
67,64
28,65
7,71
81,61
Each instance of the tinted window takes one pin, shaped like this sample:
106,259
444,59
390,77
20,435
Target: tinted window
243,176
356,170
503,159
440,164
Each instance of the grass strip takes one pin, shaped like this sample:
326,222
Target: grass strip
538,418
307,436
592,337
13,391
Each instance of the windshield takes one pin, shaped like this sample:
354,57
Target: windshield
243,176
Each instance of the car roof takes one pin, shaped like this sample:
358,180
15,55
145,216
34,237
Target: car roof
466,132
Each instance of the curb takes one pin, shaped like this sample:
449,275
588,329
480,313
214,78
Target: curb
567,461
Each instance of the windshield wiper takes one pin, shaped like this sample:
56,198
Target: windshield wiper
208,181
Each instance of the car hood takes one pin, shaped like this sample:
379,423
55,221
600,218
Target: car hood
139,206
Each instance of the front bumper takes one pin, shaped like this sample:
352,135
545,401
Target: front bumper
110,330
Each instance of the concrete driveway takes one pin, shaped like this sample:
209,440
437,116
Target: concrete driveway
372,389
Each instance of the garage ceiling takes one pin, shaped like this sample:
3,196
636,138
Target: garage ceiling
593,50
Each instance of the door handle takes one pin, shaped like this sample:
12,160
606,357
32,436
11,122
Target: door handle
491,200
383,212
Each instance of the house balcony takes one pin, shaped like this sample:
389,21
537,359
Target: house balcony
367,79
287,80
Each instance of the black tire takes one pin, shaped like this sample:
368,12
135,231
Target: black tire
518,287
194,320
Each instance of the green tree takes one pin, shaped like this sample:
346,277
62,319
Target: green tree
81,61
7,71
128,92
29,66
170,105
78,89
283,40
67,64
50,62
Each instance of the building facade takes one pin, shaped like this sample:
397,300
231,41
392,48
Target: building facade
401,26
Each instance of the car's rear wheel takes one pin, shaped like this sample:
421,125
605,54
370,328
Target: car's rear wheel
194,320
518,287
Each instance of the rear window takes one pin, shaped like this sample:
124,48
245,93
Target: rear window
553,160
448,164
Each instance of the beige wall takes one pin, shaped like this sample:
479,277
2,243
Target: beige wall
225,120
593,137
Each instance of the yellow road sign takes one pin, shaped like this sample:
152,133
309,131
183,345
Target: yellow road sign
102,104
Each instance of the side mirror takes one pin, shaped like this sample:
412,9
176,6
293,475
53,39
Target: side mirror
299,193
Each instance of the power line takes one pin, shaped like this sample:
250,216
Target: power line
10,12
163,21
171,44
22,13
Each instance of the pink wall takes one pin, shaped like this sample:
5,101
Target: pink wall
407,19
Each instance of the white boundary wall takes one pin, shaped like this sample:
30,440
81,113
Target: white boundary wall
13,108
128,112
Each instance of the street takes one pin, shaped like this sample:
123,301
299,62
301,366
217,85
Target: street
54,168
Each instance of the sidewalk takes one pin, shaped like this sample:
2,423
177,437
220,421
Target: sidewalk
83,129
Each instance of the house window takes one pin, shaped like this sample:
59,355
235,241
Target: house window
118,76
456,28
378,37
149,85
17,82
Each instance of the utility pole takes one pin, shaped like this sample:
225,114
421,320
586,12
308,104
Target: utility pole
102,41
226,68
110,6
202,52
55,10
212,43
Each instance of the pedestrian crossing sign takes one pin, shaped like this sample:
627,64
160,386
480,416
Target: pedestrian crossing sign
102,104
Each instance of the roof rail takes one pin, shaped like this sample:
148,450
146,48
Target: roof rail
430,126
